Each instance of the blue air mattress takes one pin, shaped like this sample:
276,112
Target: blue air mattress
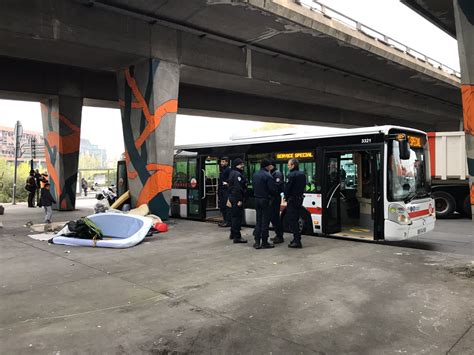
119,230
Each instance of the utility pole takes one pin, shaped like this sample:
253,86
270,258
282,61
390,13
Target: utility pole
18,133
32,152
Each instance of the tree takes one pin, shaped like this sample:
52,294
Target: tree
6,181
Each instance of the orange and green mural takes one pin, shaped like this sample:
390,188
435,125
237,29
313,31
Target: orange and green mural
464,16
62,129
148,100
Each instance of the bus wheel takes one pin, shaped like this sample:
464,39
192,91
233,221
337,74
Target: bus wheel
467,207
304,223
444,203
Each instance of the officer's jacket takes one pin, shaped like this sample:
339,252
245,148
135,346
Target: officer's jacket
224,177
237,185
263,184
278,177
295,185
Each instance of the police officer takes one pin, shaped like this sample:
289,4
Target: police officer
223,192
264,189
237,186
275,204
294,190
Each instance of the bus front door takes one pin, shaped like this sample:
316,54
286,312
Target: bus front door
331,193
195,190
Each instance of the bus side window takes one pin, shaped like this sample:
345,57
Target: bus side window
310,172
180,174
252,168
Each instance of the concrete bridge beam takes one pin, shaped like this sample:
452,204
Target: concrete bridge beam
148,98
464,18
61,116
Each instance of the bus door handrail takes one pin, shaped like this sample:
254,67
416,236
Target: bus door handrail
204,182
332,195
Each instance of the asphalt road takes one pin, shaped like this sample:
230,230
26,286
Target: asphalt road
191,291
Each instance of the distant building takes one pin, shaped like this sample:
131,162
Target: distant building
93,150
7,145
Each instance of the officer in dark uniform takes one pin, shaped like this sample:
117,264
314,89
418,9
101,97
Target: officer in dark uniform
264,189
223,192
294,190
237,188
275,204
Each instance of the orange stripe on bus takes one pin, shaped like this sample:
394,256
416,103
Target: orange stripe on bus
315,210
419,213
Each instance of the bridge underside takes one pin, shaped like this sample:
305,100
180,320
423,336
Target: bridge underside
252,59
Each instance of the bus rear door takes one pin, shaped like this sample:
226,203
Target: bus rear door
331,193
195,188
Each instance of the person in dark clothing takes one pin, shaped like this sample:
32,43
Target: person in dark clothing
46,201
31,188
237,188
264,189
223,192
294,190
275,204
84,186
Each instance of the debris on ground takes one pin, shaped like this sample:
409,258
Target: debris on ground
466,271
41,236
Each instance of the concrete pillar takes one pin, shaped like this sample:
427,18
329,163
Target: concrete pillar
148,93
62,136
464,16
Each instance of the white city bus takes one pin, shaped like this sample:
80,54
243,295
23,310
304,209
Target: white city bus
367,183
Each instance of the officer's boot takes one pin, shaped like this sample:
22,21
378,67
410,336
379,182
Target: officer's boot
295,243
257,244
278,239
266,244
239,239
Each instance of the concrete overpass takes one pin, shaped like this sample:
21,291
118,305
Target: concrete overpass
275,60
456,17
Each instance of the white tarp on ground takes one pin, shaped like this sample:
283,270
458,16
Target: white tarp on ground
119,230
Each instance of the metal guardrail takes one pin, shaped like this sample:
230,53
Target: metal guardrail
332,14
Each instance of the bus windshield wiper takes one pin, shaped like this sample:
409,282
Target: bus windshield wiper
410,196
414,194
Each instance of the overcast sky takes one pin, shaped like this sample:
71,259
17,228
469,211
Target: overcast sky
102,126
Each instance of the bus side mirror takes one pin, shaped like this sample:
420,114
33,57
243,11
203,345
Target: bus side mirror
404,148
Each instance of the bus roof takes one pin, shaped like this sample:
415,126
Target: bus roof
288,137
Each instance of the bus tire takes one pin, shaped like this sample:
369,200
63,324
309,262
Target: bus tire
444,203
466,207
305,222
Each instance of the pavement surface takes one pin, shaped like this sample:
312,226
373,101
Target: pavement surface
192,291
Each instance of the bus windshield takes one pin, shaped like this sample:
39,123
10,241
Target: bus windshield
408,179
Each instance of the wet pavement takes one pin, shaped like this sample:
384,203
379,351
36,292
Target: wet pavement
192,291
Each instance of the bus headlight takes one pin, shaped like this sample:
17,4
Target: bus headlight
397,213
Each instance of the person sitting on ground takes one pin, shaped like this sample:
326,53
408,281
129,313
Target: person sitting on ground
46,201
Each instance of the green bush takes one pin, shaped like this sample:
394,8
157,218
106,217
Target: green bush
6,181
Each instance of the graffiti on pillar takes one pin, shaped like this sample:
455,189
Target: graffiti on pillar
141,119
468,108
62,143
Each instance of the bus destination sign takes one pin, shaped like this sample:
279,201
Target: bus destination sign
295,155
415,141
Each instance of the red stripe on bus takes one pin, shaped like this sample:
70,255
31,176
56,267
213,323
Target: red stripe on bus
419,213
315,210
432,145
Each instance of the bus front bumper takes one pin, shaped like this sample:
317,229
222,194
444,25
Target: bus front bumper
419,226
